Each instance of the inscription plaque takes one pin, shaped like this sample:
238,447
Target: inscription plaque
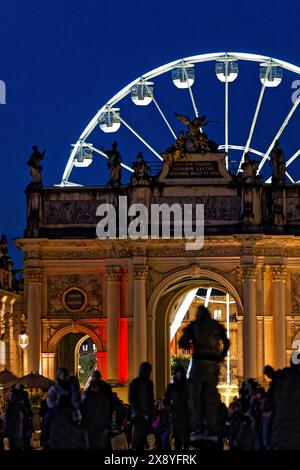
74,299
194,169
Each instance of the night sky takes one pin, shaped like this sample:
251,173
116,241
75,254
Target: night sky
62,60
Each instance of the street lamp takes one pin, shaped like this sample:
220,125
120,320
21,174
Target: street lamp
23,339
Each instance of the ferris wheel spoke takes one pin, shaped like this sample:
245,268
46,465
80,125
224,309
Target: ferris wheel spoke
160,110
269,180
207,297
190,91
253,124
138,135
289,177
226,111
103,154
242,147
293,157
280,131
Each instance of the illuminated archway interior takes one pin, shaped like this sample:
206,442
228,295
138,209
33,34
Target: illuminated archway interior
78,353
223,308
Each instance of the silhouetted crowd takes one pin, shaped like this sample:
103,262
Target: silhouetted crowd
191,414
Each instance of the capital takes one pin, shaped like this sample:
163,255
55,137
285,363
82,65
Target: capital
278,272
140,271
112,273
249,271
34,275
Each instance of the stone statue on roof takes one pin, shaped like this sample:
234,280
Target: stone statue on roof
34,164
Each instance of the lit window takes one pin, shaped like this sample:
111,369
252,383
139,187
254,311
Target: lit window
218,314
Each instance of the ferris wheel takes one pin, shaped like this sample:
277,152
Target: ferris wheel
142,92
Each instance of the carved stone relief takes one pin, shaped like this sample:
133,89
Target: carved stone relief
57,285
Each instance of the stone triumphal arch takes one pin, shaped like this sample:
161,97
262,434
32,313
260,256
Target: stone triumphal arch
123,293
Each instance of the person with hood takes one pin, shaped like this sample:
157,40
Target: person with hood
141,400
97,409
176,403
204,335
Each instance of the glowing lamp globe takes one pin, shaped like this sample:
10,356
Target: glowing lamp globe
23,339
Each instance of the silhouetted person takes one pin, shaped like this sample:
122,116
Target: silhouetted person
141,400
63,417
176,402
1,434
27,415
247,391
269,372
204,335
15,423
222,419
97,409
286,424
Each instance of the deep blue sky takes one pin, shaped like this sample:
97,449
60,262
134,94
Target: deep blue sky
61,60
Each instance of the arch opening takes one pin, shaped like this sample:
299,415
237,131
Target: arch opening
177,299
78,353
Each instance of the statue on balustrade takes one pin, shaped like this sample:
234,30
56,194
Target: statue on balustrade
277,163
35,166
249,170
141,171
114,165
3,252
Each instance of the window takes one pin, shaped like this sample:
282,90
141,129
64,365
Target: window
218,314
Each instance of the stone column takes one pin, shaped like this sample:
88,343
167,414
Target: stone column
48,365
269,345
140,316
14,363
260,347
25,361
3,352
34,312
113,318
240,355
250,327
278,279
123,328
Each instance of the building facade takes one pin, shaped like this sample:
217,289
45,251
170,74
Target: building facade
12,318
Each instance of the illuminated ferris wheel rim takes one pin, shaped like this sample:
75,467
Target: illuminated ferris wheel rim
267,61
